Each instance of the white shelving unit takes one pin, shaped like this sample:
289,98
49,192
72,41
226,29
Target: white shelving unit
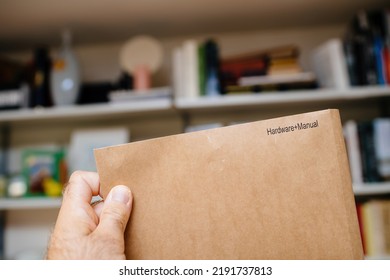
180,105
87,111
30,203
371,189
290,97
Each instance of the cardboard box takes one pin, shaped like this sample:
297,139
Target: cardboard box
272,189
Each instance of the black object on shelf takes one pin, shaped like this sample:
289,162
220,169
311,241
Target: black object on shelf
40,79
94,93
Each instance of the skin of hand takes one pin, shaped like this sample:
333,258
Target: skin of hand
83,231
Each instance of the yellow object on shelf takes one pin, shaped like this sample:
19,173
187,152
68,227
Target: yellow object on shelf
52,187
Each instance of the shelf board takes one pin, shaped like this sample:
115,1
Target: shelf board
87,111
30,203
164,105
371,189
304,96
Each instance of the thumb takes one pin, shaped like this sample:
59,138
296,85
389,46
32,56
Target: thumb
116,212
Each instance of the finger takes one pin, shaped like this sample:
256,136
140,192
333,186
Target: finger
82,185
76,214
116,212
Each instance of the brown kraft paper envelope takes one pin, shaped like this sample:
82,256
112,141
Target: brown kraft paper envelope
272,189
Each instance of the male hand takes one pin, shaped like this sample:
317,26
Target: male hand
83,231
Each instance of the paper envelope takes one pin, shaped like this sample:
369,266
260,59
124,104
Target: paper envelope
272,189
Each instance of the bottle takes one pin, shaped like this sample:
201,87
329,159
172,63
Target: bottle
65,76
40,79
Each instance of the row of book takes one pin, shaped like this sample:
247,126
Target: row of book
374,222
274,69
368,146
367,48
198,70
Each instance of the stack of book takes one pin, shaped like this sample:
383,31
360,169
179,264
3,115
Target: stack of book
368,145
275,69
374,221
196,69
367,48
13,92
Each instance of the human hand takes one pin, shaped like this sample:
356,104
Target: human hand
83,231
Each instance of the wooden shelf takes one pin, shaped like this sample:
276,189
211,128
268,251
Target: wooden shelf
30,203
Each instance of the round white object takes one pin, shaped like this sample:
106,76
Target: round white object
141,51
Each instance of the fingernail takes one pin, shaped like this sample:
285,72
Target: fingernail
121,194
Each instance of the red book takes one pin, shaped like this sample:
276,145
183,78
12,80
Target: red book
386,63
359,209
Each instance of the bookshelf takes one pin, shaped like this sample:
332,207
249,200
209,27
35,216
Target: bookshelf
371,189
181,105
92,111
239,27
282,98
29,203
55,203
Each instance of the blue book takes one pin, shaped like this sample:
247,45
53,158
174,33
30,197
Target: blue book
378,52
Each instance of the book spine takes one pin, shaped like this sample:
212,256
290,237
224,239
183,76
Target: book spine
367,149
381,131
330,65
355,160
202,64
359,209
379,58
212,83
191,69
386,62
178,72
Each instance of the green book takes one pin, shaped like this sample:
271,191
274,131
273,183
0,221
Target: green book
202,69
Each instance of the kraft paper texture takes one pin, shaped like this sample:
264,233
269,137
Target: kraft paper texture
272,189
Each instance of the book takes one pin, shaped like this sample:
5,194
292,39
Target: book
277,79
13,98
376,227
271,189
366,47
191,69
330,65
353,149
178,72
271,87
367,150
212,81
277,52
381,135
232,71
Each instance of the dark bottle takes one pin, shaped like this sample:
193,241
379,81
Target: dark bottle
40,81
